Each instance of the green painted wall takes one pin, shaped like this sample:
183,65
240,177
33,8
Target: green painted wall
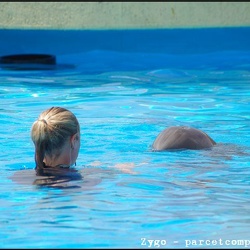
120,15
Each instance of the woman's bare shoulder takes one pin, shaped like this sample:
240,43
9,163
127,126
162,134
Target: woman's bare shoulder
29,177
26,176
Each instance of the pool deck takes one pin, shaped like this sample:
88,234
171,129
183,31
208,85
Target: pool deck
123,15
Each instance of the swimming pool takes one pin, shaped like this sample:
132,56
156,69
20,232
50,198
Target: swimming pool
124,91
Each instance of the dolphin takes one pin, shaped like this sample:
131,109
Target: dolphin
182,137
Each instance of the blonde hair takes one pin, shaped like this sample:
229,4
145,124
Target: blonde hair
50,132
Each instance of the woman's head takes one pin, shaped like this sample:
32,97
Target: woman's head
56,132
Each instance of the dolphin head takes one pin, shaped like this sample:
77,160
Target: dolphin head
182,137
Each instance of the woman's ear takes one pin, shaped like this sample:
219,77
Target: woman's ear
73,140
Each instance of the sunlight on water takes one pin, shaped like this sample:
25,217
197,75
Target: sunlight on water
168,196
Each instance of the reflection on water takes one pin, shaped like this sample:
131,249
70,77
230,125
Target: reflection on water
173,196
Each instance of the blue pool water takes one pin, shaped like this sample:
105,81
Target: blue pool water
123,97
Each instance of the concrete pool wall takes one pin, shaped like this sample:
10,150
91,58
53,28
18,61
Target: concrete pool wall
107,30
123,15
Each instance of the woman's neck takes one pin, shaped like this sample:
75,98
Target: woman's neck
63,160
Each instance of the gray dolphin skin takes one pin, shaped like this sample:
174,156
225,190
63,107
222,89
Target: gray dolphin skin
182,137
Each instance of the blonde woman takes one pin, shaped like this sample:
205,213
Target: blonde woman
56,137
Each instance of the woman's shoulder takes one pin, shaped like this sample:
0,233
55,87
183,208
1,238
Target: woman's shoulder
25,176
29,177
